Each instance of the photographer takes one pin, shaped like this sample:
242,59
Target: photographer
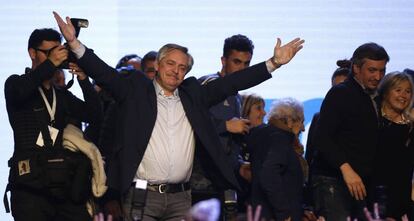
43,175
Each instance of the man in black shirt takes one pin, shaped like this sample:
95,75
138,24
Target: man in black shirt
35,108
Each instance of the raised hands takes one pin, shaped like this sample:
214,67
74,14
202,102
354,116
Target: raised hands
76,70
283,54
100,217
67,29
254,216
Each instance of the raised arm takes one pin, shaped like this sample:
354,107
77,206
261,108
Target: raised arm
18,89
91,109
219,89
93,66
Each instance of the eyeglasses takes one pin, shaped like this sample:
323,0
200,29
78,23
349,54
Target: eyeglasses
45,51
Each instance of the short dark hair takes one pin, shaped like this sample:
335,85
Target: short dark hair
123,61
150,56
43,34
239,43
372,51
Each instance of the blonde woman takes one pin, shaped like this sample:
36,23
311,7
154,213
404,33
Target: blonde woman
394,159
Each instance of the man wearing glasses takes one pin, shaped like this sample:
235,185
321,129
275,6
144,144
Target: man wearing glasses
36,108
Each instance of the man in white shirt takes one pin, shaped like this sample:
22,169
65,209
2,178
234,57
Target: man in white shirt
162,119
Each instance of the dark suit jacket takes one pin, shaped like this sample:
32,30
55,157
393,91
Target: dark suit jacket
138,107
310,143
277,177
347,131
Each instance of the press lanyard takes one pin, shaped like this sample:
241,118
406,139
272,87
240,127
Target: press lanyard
50,110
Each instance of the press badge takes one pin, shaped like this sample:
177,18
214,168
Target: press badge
53,135
24,167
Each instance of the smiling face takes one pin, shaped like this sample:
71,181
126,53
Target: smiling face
171,70
398,97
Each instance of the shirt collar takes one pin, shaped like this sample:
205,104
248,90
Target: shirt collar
160,91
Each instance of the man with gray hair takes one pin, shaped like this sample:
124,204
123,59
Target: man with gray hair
161,122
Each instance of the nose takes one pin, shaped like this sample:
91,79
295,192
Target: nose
176,69
378,75
406,94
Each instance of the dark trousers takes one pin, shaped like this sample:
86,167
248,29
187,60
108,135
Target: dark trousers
159,206
31,206
333,201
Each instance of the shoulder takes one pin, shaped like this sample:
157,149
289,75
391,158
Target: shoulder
190,82
268,131
11,79
208,78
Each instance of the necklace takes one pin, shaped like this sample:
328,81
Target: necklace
398,119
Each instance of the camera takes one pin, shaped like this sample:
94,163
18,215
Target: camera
78,23
230,205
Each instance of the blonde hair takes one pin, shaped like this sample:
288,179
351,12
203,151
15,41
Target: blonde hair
248,101
390,81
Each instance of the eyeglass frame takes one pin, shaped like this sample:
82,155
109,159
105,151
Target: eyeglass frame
46,51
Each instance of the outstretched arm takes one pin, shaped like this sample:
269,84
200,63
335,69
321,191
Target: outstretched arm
92,65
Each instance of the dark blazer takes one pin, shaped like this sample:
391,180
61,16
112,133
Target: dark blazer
310,143
277,177
137,102
347,131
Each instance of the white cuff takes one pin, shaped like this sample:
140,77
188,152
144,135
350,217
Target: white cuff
79,51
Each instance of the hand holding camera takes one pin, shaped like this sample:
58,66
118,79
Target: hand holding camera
58,55
76,70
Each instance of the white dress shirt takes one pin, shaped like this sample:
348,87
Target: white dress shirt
170,151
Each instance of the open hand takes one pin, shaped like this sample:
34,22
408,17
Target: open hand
283,54
67,29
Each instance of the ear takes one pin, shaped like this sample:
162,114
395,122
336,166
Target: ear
356,69
32,53
223,61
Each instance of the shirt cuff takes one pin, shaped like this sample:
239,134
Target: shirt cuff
79,51
270,66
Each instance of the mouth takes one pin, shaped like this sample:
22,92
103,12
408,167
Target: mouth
402,101
171,76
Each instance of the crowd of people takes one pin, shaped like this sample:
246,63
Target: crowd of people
157,143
